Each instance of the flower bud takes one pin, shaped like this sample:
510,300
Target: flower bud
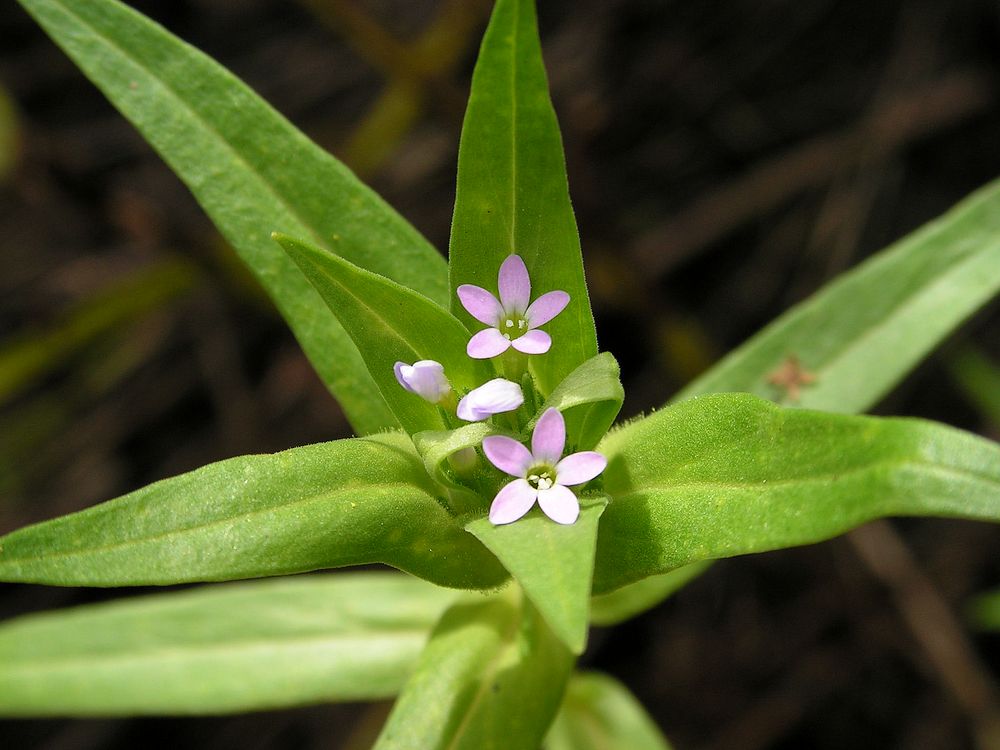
494,397
425,378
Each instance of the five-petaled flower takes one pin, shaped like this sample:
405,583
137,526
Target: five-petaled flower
425,378
540,474
513,321
494,397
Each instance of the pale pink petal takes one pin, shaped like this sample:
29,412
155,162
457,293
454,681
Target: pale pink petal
549,437
507,454
487,343
514,285
512,502
580,467
401,378
425,378
545,308
493,397
533,342
480,304
559,504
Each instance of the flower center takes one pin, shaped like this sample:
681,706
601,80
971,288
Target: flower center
541,477
513,326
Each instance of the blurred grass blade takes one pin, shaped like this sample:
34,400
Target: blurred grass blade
732,474
254,174
599,713
391,323
220,649
512,195
32,355
860,335
553,563
979,380
491,678
628,601
348,502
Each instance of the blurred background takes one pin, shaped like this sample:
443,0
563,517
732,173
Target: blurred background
726,159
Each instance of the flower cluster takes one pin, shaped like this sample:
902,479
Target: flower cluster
542,473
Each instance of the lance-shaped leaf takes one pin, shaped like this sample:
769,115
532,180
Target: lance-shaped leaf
628,601
491,678
347,502
850,343
730,474
512,195
390,323
599,713
254,174
238,647
552,562
589,398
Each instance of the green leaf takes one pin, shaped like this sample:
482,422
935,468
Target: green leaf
491,678
731,474
389,323
512,195
553,563
861,334
347,502
435,447
253,173
242,647
599,713
635,598
589,398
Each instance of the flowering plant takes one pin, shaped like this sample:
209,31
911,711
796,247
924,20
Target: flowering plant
481,639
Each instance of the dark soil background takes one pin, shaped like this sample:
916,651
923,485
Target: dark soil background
726,159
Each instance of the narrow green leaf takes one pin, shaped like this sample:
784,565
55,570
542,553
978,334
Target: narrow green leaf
589,398
512,195
861,334
731,474
491,678
635,598
391,323
599,713
553,563
347,502
254,174
242,647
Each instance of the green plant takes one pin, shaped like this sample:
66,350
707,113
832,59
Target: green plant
398,336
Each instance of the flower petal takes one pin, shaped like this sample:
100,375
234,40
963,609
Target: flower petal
514,285
580,467
425,378
402,375
480,304
507,454
559,503
545,308
513,501
549,437
493,397
533,342
487,343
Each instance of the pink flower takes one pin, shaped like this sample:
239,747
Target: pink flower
541,475
514,322
494,397
425,378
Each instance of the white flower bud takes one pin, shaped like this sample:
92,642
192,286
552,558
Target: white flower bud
425,378
494,397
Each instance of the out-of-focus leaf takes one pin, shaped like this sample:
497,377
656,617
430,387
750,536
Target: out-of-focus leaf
599,713
391,323
33,354
491,678
860,335
985,611
552,562
9,134
589,398
241,647
347,502
254,174
635,598
979,379
731,474
512,195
